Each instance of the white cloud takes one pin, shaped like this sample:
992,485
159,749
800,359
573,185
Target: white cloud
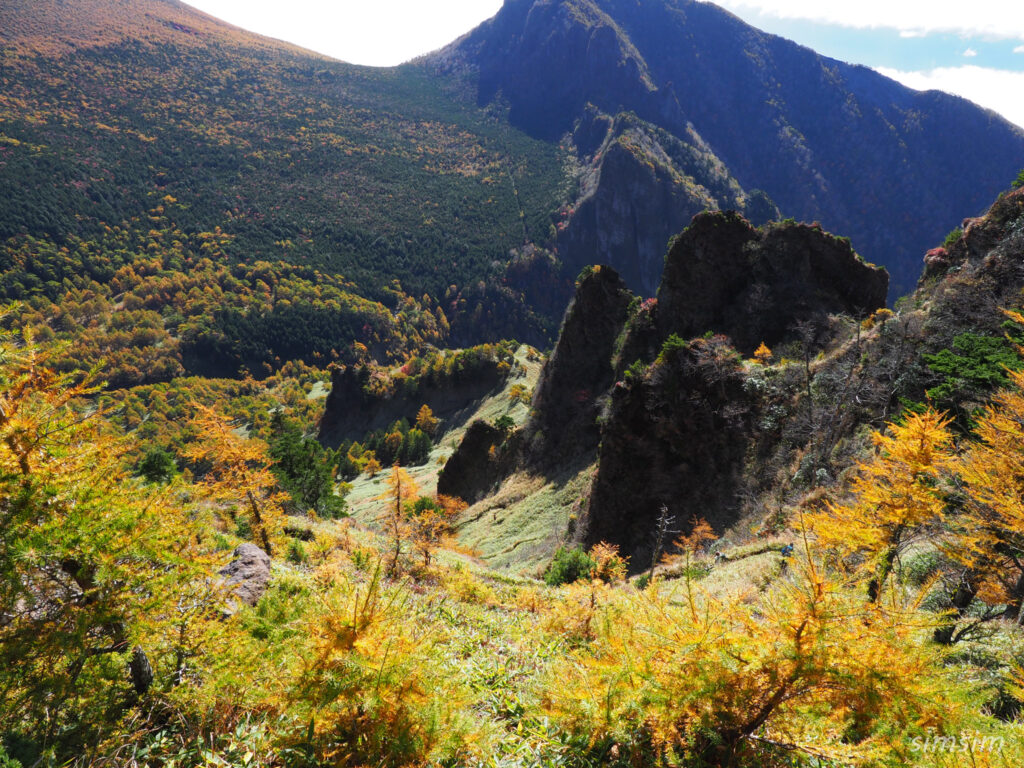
377,32
994,18
997,89
970,53
1019,49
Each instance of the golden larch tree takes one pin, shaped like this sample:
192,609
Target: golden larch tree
895,497
401,489
988,530
426,421
89,556
240,472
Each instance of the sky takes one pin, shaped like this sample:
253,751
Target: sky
973,48
379,33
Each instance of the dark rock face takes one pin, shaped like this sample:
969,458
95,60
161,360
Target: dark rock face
676,438
247,574
827,141
641,186
551,58
474,469
723,275
580,370
350,411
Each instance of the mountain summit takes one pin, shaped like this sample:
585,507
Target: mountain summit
827,141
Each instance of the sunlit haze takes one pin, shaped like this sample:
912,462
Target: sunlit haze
975,50
378,33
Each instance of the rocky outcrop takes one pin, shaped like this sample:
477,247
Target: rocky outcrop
640,186
675,438
655,389
247,575
968,283
676,419
579,371
754,286
476,466
979,237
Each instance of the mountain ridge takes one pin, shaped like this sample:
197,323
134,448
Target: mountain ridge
49,25
827,141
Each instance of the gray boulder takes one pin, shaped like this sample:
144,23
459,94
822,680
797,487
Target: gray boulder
247,574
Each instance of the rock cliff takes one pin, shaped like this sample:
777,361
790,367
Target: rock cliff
754,286
579,371
655,390
640,185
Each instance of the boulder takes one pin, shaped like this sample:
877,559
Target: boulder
247,574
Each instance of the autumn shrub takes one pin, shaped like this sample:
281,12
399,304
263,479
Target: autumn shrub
368,682
763,354
568,565
808,668
463,585
364,557
577,612
609,565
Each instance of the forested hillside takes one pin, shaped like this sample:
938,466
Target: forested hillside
149,140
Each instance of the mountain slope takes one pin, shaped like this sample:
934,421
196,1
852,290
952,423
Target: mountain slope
892,168
140,129
50,26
